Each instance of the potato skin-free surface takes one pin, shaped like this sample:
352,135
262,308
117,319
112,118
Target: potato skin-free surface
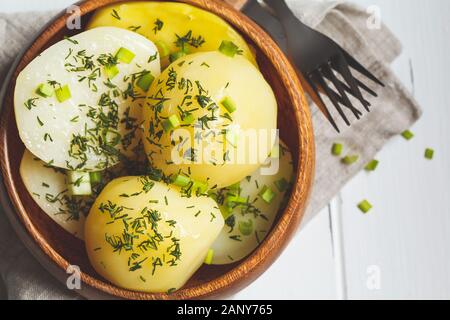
48,188
197,84
142,235
161,22
232,245
100,119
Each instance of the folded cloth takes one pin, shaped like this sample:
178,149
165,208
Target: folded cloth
393,112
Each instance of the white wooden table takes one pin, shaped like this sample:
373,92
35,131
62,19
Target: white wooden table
402,248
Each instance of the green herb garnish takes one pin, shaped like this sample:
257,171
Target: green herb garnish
372,165
365,206
337,149
229,49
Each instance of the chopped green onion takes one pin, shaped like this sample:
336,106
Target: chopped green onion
408,135
111,71
337,148
372,165
282,185
209,257
63,93
229,104
267,194
188,119
365,206
349,160
229,49
124,55
200,187
171,123
181,180
96,177
429,154
232,200
44,90
235,188
163,48
246,227
226,211
176,55
145,81
79,183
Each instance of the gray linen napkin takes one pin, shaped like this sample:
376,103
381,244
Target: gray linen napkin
395,111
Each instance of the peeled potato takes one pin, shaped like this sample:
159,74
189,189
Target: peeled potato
98,122
166,22
248,224
215,146
48,187
142,235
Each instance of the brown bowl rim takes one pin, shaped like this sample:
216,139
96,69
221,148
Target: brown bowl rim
254,265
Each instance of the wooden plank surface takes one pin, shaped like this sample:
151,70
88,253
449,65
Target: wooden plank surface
405,240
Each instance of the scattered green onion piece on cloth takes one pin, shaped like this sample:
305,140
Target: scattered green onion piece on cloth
337,149
349,160
372,165
408,135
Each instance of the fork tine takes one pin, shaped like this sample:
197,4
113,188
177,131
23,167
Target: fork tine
366,88
317,77
328,73
340,65
322,105
360,84
357,66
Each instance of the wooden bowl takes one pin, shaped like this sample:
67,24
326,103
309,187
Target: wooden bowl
56,249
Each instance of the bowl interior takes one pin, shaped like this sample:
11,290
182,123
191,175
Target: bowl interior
65,249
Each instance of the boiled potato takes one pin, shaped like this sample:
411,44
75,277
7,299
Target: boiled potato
78,104
252,207
211,117
172,26
143,235
48,187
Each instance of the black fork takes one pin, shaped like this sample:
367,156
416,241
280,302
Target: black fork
323,62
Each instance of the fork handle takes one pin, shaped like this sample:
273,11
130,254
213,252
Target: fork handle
281,8
237,4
